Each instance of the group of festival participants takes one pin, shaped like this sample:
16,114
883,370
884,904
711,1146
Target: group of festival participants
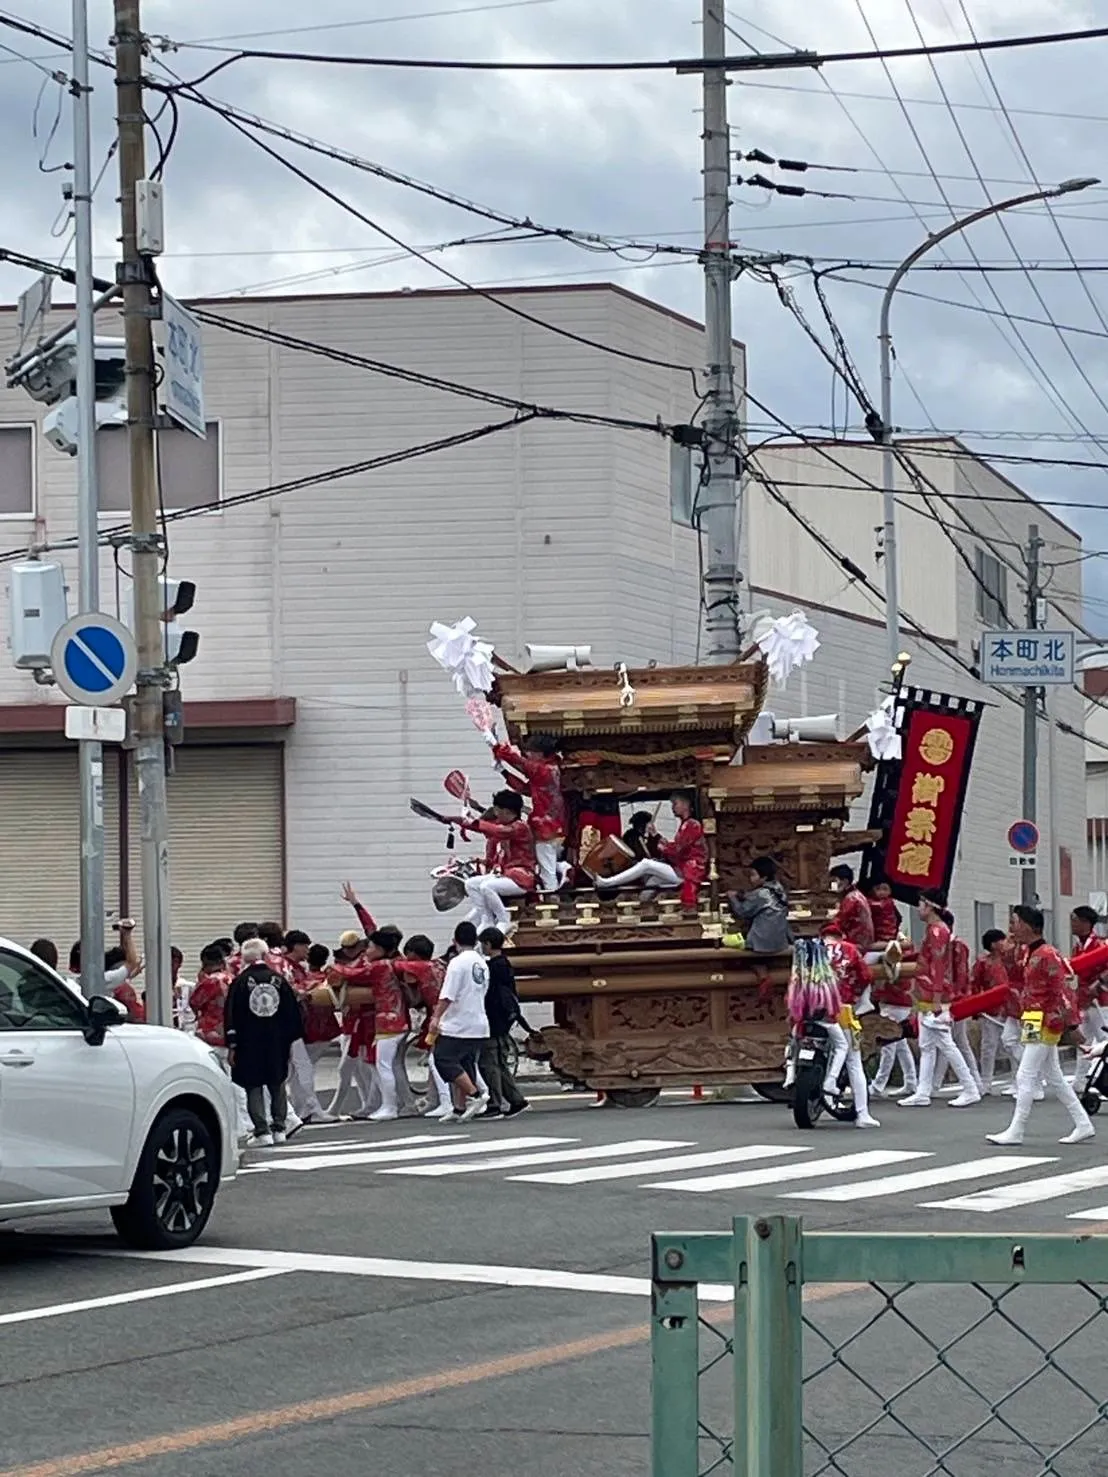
1042,997
1038,993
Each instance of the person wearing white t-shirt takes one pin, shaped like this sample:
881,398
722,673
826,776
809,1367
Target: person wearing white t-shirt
459,1026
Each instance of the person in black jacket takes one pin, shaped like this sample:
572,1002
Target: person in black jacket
261,1021
502,1009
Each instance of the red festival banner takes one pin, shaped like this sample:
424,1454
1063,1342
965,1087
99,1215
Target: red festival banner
922,840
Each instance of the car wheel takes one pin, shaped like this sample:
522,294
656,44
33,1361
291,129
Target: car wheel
174,1186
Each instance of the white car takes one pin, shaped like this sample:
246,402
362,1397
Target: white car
97,1112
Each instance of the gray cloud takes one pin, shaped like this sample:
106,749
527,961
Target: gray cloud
620,153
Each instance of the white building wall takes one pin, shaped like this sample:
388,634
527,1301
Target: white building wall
551,532
939,592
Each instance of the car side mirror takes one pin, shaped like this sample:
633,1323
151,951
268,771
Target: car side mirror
103,1012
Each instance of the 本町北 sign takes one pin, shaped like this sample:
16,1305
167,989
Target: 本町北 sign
1027,658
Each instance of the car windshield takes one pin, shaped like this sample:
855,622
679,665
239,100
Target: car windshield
31,1000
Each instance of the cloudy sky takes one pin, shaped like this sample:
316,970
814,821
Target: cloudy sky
619,154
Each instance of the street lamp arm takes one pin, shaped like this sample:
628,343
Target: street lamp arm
885,436
962,224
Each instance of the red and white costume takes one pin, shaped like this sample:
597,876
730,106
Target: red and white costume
682,862
1090,1000
935,989
893,999
321,1026
510,871
1049,1005
542,782
991,972
852,981
426,977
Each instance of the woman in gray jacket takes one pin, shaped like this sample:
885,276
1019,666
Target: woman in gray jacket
763,912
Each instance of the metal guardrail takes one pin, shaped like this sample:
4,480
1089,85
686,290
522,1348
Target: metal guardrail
783,1353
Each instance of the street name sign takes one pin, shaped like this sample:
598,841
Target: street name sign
183,387
1027,658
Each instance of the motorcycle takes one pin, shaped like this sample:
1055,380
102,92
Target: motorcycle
807,1062
1096,1088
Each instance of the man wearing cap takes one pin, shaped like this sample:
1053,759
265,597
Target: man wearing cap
356,1065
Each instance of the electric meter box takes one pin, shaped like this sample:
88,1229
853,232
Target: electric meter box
38,612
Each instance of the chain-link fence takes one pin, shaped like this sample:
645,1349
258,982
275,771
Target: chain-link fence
783,1354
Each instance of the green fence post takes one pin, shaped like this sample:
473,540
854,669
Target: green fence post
675,1364
769,1440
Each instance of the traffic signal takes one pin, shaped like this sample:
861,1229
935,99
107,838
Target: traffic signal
176,598
52,380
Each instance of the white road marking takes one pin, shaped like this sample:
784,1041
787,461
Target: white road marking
918,1179
337,1146
439,1150
1027,1192
679,1161
548,1156
141,1295
541,1278
1100,1213
748,1179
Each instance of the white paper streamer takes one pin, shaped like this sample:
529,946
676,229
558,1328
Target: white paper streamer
459,652
788,643
881,734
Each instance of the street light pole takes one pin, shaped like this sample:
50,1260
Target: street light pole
888,472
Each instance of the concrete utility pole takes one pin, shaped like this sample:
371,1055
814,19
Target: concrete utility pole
718,501
90,751
1029,889
146,544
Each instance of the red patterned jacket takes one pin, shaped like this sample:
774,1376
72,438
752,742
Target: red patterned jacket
208,998
687,854
427,976
885,916
855,919
1090,991
509,849
321,1022
1048,986
851,970
935,966
543,783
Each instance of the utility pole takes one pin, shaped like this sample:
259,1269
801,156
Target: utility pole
90,751
718,502
138,314
1029,890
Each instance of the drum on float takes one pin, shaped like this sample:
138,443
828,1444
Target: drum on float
608,858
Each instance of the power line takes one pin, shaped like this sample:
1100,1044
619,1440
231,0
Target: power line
758,62
376,20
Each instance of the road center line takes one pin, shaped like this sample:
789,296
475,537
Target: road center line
139,1295
304,1412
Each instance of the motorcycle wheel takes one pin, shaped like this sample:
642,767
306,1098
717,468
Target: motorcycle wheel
808,1103
1091,1102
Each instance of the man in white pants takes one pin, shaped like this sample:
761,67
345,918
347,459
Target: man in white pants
935,988
1083,922
1048,1001
541,780
509,862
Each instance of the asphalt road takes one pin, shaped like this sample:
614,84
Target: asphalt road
405,1296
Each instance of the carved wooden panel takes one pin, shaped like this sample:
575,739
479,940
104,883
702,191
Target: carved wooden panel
658,1012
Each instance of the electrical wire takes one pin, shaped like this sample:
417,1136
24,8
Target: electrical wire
757,62
376,20
444,271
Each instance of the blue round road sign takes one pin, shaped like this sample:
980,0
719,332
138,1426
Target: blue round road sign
1023,837
94,659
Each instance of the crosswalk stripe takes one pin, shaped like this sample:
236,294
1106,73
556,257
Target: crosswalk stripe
679,1161
546,1156
1026,1192
744,1179
919,1179
1099,1213
443,1150
336,1146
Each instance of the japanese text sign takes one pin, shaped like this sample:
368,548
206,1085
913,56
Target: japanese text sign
183,385
1027,658
923,837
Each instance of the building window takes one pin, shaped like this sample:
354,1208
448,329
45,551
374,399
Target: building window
189,468
984,918
991,590
17,480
